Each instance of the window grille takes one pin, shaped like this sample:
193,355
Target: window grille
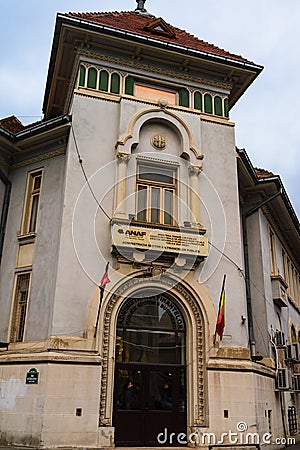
20,307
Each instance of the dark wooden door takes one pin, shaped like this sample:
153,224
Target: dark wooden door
149,404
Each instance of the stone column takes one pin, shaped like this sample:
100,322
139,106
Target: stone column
120,211
194,172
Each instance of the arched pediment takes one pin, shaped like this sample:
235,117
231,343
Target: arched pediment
131,138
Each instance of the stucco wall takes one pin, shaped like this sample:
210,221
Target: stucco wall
44,265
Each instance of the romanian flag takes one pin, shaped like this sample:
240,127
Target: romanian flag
221,313
104,280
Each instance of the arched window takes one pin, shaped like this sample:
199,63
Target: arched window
208,103
150,329
198,101
218,106
92,78
82,72
293,335
103,81
115,83
226,107
184,98
129,85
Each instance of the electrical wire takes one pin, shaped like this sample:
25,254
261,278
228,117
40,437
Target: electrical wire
86,177
240,270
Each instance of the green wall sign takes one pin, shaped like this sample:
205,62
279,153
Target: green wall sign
32,376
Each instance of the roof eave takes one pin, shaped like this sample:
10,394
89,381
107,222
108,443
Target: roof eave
244,65
276,180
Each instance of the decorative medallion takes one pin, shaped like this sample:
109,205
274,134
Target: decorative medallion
158,141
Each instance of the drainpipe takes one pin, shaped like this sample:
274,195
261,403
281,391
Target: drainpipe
4,212
245,215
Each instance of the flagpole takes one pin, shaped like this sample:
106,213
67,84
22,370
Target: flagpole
223,286
99,307
103,283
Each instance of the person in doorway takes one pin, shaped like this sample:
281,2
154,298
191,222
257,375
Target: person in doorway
166,397
128,395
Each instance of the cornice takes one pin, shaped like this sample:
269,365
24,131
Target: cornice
156,70
39,158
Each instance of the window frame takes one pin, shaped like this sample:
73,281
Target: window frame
28,202
17,324
163,187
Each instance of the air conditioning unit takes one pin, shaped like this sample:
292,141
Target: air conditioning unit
283,380
290,352
279,338
296,382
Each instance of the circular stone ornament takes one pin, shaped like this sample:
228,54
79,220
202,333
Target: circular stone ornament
158,141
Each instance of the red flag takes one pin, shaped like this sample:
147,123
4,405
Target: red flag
221,313
104,280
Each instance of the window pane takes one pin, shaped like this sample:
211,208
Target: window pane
142,204
115,83
208,103
33,213
218,106
129,85
20,307
149,310
155,205
198,101
129,385
168,206
184,99
161,386
81,76
226,107
157,174
37,182
92,78
150,346
103,82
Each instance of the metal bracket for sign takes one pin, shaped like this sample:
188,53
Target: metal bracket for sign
32,376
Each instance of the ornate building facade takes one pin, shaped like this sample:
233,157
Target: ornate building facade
135,165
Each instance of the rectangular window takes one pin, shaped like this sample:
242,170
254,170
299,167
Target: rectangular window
274,270
19,307
32,202
156,189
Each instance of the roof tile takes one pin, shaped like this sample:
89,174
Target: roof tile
11,124
136,22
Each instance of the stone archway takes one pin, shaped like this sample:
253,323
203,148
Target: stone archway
196,376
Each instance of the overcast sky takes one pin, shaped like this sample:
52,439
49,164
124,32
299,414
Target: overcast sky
264,31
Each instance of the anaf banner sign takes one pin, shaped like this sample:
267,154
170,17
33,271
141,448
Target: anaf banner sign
159,240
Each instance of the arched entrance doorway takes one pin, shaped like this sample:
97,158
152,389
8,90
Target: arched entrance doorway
150,369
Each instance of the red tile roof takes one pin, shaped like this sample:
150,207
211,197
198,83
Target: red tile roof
262,173
14,125
11,124
138,23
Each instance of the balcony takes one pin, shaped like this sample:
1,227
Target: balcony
279,288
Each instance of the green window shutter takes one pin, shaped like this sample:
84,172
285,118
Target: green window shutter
103,81
92,78
208,103
115,83
218,106
198,101
226,107
184,99
129,85
82,76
